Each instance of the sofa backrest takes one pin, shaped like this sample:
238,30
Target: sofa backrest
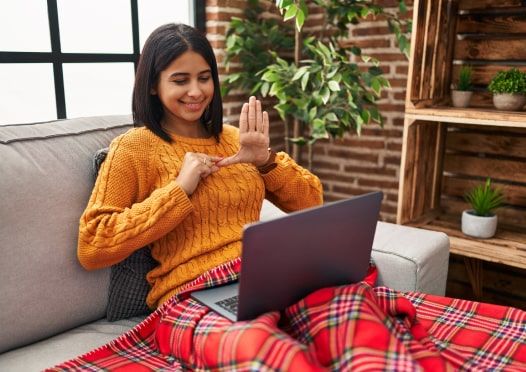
45,182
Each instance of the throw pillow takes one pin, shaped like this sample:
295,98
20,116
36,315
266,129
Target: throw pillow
128,285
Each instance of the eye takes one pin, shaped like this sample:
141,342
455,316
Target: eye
180,82
204,78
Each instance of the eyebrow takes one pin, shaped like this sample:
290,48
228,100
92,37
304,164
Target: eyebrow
176,74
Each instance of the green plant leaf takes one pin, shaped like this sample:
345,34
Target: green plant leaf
334,86
290,12
301,71
270,76
304,80
265,87
300,19
325,94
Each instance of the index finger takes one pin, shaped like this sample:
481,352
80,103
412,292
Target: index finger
243,118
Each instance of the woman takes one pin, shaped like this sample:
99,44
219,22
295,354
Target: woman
181,181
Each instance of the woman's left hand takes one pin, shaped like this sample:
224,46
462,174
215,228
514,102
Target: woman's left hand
253,136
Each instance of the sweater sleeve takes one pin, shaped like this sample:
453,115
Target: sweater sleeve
292,187
116,221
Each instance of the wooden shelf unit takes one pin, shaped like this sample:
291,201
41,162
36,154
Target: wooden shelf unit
446,150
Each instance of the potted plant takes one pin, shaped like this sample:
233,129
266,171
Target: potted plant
480,221
461,94
509,90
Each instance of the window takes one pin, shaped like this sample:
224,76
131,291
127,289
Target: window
66,58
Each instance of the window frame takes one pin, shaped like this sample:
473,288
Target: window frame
57,58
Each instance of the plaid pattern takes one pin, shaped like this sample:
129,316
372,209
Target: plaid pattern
340,328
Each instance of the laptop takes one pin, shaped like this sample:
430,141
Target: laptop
285,259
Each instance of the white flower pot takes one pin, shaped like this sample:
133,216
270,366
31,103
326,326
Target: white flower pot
460,98
509,102
477,226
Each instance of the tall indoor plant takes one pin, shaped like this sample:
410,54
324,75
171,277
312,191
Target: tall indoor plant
319,90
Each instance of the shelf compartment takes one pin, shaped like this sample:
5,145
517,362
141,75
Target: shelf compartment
507,247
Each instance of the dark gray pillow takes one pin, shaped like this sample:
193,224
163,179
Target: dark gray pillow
128,286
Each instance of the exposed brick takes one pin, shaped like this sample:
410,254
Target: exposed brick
369,43
399,122
391,197
382,132
345,154
370,170
227,3
318,164
366,143
214,16
335,176
391,107
217,43
394,146
391,159
371,31
347,190
328,197
216,29
402,70
386,208
399,96
383,184
398,83
388,57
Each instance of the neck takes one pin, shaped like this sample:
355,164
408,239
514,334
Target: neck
190,130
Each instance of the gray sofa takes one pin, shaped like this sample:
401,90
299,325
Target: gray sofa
52,309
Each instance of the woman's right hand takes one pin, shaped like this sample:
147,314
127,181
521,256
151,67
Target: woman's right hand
196,166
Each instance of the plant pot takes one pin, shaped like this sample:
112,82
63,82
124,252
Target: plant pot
509,102
461,98
477,226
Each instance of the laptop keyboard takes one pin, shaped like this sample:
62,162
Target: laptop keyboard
229,304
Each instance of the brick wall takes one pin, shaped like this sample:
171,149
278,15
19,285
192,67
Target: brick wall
352,165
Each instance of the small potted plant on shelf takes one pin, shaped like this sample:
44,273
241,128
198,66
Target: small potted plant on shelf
462,92
480,221
509,90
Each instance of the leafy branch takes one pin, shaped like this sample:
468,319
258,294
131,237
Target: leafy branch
321,88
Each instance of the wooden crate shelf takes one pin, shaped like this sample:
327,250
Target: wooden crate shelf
507,247
446,151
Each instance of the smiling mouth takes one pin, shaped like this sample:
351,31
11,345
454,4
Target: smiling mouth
193,106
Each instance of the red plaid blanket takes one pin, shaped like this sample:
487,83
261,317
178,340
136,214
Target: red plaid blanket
355,326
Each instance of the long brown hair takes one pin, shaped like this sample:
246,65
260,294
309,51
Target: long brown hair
165,44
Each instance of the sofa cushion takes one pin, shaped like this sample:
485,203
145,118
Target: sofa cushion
129,287
65,346
45,183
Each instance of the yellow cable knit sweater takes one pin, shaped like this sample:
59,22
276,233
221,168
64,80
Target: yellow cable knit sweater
136,202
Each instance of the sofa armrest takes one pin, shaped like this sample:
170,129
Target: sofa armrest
411,259
408,259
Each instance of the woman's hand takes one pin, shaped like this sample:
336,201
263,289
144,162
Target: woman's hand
196,166
253,136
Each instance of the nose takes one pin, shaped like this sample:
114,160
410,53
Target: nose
194,90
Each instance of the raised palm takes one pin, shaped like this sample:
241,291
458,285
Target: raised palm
253,136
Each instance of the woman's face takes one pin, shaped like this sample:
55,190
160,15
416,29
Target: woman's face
185,89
